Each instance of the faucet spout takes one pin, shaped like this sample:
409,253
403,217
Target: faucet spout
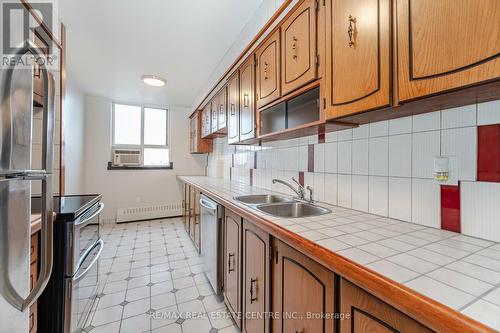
299,192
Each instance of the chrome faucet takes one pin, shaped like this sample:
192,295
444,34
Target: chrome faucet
300,191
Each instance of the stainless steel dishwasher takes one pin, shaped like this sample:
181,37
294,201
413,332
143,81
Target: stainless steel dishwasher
211,241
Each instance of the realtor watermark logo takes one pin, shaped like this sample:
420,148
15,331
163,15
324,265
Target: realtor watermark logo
19,26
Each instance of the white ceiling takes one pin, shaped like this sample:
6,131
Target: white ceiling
112,43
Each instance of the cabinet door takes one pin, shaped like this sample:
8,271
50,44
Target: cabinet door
185,205
247,98
446,44
369,314
206,117
222,110
232,265
255,278
267,70
233,114
358,56
290,269
298,47
192,215
214,112
197,216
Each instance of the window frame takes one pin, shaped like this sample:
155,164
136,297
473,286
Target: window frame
141,145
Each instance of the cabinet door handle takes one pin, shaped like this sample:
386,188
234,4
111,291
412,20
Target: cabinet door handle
301,330
252,298
245,100
232,110
351,30
294,47
229,259
265,70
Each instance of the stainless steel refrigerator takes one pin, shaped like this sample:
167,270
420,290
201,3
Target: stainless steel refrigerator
16,175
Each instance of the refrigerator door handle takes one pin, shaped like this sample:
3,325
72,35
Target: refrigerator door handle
7,290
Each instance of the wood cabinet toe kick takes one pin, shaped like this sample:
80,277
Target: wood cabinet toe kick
424,310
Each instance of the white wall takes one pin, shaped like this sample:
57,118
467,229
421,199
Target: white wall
73,131
135,188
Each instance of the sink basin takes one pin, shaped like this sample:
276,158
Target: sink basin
262,199
293,209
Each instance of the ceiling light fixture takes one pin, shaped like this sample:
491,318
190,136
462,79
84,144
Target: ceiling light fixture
153,80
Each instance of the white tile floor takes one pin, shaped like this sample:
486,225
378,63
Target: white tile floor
152,281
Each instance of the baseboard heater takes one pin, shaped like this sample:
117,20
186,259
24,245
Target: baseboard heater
148,212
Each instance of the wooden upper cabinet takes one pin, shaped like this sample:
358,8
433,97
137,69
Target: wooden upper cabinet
206,117
298,47
291,269
198,145
233,109
267,70
232,264
369,314
222,110
255,278
358,68
446,44
247,99
214,112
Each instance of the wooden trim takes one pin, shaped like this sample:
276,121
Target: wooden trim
243,53
42,24
62,94
428,312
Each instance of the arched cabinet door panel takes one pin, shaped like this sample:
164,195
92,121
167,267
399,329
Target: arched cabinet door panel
446,44
233,108
315,295
298,47
232,264
255,278
358,67
268,70
247,99
369,314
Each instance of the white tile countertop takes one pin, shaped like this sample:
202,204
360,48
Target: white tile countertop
458,271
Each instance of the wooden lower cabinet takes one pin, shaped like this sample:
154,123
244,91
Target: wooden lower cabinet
369,314
256,279
192,192
302,293
197,220
232,264
185,206
33,317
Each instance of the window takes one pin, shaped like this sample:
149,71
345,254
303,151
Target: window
142,128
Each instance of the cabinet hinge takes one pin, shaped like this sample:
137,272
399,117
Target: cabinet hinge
317,60
316,5
324,103
324,3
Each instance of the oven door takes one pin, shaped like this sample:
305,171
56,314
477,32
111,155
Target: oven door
84,234
83,288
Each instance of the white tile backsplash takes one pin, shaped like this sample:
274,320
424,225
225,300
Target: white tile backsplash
480,209
360,193
360,157
345,154
427,121
378,195
384,168
426,146
400,198
459,117
400,155
426,203
488,113
379,156
344,190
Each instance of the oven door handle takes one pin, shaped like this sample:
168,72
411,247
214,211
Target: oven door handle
84,222
80,275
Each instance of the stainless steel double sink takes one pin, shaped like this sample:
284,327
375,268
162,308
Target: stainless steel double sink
281,206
